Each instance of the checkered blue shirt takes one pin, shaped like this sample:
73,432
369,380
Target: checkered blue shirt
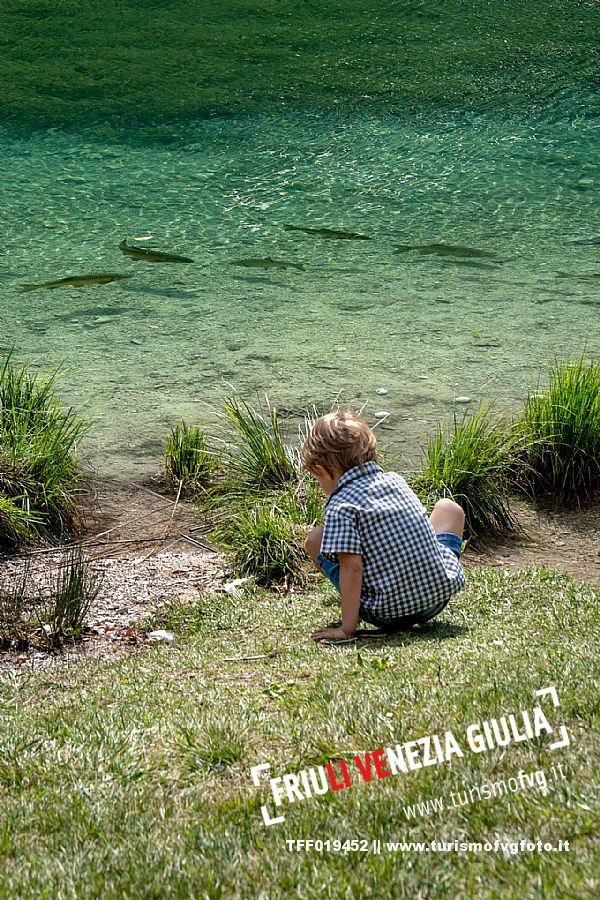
405,569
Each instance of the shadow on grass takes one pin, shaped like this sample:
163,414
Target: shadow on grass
373,639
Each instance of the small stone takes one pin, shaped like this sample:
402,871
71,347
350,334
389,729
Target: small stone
382,414
166,637
233,587
462,399
382,391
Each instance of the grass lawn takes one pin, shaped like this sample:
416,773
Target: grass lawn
132,778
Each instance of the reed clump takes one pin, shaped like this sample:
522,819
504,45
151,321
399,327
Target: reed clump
72,594
469,462
265,534
255,450
558,455
49,614
39,471
263,542
257,500
189,461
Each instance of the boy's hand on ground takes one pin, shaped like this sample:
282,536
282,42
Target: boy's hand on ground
332,634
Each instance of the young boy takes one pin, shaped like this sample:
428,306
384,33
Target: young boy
392,565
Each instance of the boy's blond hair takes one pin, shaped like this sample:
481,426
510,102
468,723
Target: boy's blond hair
339,441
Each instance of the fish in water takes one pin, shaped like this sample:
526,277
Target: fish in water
152,255
447,250
593,241
75,281
267,263
583,276
330,233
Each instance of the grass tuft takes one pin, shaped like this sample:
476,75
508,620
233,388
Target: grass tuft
17,522
75,590
189,460
15,615
31,615
219,747
257,453
39,473
470,465
264,541
559,436
257,501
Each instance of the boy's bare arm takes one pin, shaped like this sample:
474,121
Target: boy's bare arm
351,570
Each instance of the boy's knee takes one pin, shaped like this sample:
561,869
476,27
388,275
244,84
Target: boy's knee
448,516
313,541
448,506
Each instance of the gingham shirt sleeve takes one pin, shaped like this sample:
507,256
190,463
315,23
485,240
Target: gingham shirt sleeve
340,534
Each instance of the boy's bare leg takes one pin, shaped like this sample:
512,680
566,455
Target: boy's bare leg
313,543
447,516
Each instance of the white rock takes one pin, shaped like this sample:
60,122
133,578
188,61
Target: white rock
462,399
233,587
381,414
166,637
382,391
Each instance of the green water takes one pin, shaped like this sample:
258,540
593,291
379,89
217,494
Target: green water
205,133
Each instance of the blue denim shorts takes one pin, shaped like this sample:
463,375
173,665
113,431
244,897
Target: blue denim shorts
332,571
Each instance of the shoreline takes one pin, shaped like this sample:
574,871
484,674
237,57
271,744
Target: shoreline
148,551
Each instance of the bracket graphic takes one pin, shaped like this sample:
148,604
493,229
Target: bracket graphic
553,694
256,772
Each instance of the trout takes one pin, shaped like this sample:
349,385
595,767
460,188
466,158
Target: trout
447,250
330,233
267,263
580,276
152,255
74,281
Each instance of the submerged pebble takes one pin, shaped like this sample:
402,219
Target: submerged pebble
382,391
